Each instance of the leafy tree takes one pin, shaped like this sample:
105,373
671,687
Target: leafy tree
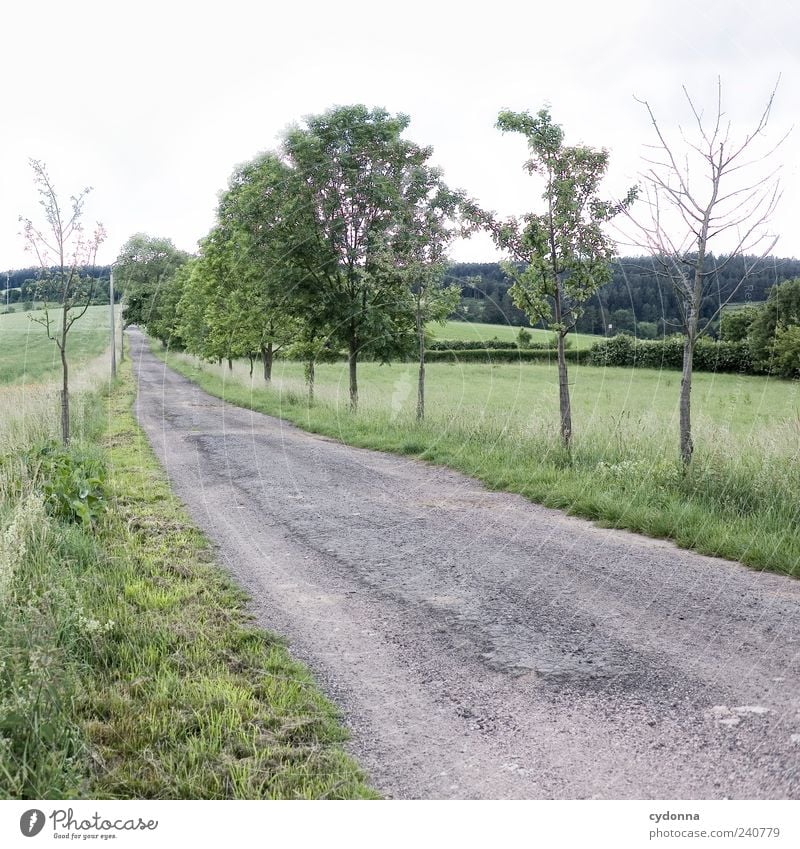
558,258
416,249
786,359
143,267
195,287
257,216
352,181
697,190
734,324
62,249
433,301
773,332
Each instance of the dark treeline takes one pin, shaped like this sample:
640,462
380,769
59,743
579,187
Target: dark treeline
636,299
24,285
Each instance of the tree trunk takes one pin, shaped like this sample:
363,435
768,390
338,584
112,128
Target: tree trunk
563,395
563,382
687,447
421,379
352,360
251,358
230,364
122,344
689,340
310,375
267,356
64,381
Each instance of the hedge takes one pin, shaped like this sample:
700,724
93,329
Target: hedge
503,355
484,345
668,353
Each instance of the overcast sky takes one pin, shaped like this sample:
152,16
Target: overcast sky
154,103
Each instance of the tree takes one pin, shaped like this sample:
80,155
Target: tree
62,249
558,258
697,190
144,266
351,179
417,249
773,331
256,217
734,324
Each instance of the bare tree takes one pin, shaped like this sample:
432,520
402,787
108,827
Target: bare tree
63,251
706,186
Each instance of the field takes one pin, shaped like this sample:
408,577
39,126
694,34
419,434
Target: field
472,332
499,423
28,356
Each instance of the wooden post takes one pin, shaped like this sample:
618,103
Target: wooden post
113,328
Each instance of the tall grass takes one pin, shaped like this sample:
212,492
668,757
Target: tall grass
42,622
129,666
740,500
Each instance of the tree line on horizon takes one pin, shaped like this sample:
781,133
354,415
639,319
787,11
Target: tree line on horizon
635,300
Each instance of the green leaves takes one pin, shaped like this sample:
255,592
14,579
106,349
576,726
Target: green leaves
73,485
559,257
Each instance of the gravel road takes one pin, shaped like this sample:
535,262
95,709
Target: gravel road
480,646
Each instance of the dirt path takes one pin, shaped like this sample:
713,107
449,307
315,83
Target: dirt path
479,645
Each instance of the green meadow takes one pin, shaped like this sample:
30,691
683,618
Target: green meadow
28,356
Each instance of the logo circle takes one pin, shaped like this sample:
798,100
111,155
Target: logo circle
31,822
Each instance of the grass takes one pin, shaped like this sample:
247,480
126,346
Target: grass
465,331
129,665
741,499
27,355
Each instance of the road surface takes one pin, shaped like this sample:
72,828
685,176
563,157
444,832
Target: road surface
478,645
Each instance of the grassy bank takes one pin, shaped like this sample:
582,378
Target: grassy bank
741,499
129,667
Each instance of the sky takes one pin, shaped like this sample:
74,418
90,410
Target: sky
154,103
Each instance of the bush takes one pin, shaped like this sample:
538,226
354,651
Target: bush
786,351
647,330
734,325
73,484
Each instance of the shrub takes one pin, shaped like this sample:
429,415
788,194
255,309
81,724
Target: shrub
524,338
72,483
